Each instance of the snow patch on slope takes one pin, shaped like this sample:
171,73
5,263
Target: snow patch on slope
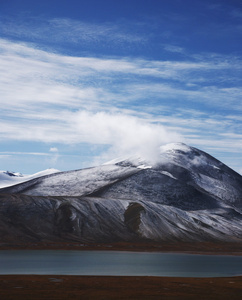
168,174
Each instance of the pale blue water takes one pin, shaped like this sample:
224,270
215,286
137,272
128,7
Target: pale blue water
58,262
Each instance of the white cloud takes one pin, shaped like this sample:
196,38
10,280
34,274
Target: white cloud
10,153
4,156
127,135
54,155
175,49
130,105
34,80
53,149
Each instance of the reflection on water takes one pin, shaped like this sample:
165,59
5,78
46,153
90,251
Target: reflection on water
58,262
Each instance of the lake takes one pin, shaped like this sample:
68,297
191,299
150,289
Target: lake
117,263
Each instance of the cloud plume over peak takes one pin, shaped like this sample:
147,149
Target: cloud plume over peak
126,135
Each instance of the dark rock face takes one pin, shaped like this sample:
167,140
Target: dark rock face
186,196
64,220
132,216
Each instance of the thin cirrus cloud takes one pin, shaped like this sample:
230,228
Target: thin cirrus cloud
69,31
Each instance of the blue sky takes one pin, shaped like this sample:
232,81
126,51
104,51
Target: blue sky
83,82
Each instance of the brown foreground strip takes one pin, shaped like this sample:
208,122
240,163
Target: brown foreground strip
216,248
107,287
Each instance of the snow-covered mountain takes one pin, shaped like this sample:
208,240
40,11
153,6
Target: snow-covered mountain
186,195
11,178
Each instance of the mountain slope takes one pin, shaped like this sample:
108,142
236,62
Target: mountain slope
73,183
187,195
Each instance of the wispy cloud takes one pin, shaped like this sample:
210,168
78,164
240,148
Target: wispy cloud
9,153
175,49
4,156
70,31
121,102
39,76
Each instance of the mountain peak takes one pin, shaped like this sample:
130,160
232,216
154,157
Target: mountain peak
175,146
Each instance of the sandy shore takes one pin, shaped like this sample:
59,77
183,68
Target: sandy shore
102,287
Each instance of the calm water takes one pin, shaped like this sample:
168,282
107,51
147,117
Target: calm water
117,263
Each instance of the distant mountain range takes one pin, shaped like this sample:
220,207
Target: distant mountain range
187,195
8,178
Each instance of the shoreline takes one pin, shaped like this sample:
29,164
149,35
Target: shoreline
118,287
204,248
